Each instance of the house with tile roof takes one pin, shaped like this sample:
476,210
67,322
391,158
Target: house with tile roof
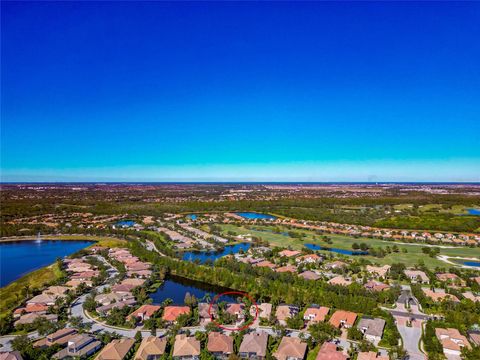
151,348
220,345
171,313
254,346
116,350
186,348
452,341
342,318
291,348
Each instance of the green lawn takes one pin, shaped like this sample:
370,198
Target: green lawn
413,255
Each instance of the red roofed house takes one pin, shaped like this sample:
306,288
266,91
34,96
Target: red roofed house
171,313
315,314
289,253
328,351
341,318
144,312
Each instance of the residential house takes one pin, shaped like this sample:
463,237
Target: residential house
309,259
116,350
380,271
452,341
310,275
264,310
171,313
186,348
39,309
285,312
417,276
43,299
220,345
372,328
471,296
286,268
474,336
144,312
151,348
79,346
236,310
328,351
291,348
315,314
371,355
106,309
376,286
339,280
265,263
108,298
11,355
254,346
439,295
205,312
60,337
30,318
289,253
342,318
450,278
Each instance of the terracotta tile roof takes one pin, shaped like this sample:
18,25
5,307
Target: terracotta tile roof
289,253
451,339
186,346
255,342
116,350
151,346
340,317
220,343
171,313
314,314
290,348
328,351
144,311
371,355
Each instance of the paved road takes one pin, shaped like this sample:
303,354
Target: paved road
411,335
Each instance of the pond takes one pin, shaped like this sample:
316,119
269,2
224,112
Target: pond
21,257
339,251
255,215
175,288
472,263
125,223
204,256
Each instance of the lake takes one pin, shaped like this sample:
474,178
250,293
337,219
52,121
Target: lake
339,251
254,215
21,257
175,288
203,256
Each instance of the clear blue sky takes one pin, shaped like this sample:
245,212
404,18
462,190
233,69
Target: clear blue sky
228,91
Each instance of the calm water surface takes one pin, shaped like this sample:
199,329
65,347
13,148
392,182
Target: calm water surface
176,287
254,215
471,263
204,256
21,257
